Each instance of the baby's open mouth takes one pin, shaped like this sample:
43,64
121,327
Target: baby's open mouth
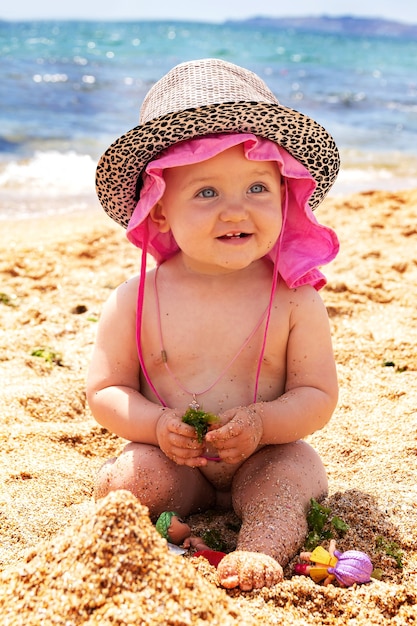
235,236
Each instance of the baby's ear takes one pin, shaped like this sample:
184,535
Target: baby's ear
158,217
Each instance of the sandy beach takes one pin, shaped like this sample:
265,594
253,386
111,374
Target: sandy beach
66,560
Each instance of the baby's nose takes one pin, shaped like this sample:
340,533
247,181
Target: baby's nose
234,210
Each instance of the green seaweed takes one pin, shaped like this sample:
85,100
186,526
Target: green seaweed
48,354
7,300
200,420
317,518
212,538
391,549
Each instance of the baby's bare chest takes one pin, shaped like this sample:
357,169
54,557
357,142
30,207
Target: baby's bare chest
215,352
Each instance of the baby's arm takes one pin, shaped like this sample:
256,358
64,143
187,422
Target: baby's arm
311,388
113,386
310,394
113,377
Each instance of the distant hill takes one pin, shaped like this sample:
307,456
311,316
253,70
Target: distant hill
337,25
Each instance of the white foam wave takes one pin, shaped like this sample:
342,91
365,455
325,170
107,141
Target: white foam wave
365,170
49,174
355,180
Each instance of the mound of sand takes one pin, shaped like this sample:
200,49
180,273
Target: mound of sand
112,567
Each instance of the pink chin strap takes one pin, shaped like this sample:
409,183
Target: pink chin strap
141,295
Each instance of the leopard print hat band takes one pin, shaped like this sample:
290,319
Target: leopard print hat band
203,97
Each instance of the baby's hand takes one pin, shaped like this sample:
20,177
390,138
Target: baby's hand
178,441
239,435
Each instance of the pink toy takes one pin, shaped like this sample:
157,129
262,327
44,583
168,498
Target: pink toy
347,568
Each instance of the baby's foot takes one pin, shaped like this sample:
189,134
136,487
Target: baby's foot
248,570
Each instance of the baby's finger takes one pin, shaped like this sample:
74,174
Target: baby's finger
177,455
182,429
226,432
232,456
184,442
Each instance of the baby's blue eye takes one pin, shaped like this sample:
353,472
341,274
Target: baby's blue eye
207,193
258,188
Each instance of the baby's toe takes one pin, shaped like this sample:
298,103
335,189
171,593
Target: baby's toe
228,571
248,570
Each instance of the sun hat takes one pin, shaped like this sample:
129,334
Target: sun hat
199,98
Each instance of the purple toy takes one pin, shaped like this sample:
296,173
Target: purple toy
347,568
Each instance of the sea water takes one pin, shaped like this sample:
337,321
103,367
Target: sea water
68,89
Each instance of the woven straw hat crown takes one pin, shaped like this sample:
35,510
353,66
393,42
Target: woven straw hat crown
201,83
205,97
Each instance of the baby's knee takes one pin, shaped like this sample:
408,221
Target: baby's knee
294,467
134,469
306,469
103,481
298,454
311,466
142,456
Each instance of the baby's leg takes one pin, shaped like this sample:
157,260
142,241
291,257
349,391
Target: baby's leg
271,494
156,481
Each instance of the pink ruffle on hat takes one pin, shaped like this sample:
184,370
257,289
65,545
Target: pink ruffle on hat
304,244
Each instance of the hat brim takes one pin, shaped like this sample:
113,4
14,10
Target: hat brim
123,162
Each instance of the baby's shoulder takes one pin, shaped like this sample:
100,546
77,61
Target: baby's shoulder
301,297
300,292
128,287
124,295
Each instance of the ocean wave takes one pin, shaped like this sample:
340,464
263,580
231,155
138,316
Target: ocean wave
53,182
50,173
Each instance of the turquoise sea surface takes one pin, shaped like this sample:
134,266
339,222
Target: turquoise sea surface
68,89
